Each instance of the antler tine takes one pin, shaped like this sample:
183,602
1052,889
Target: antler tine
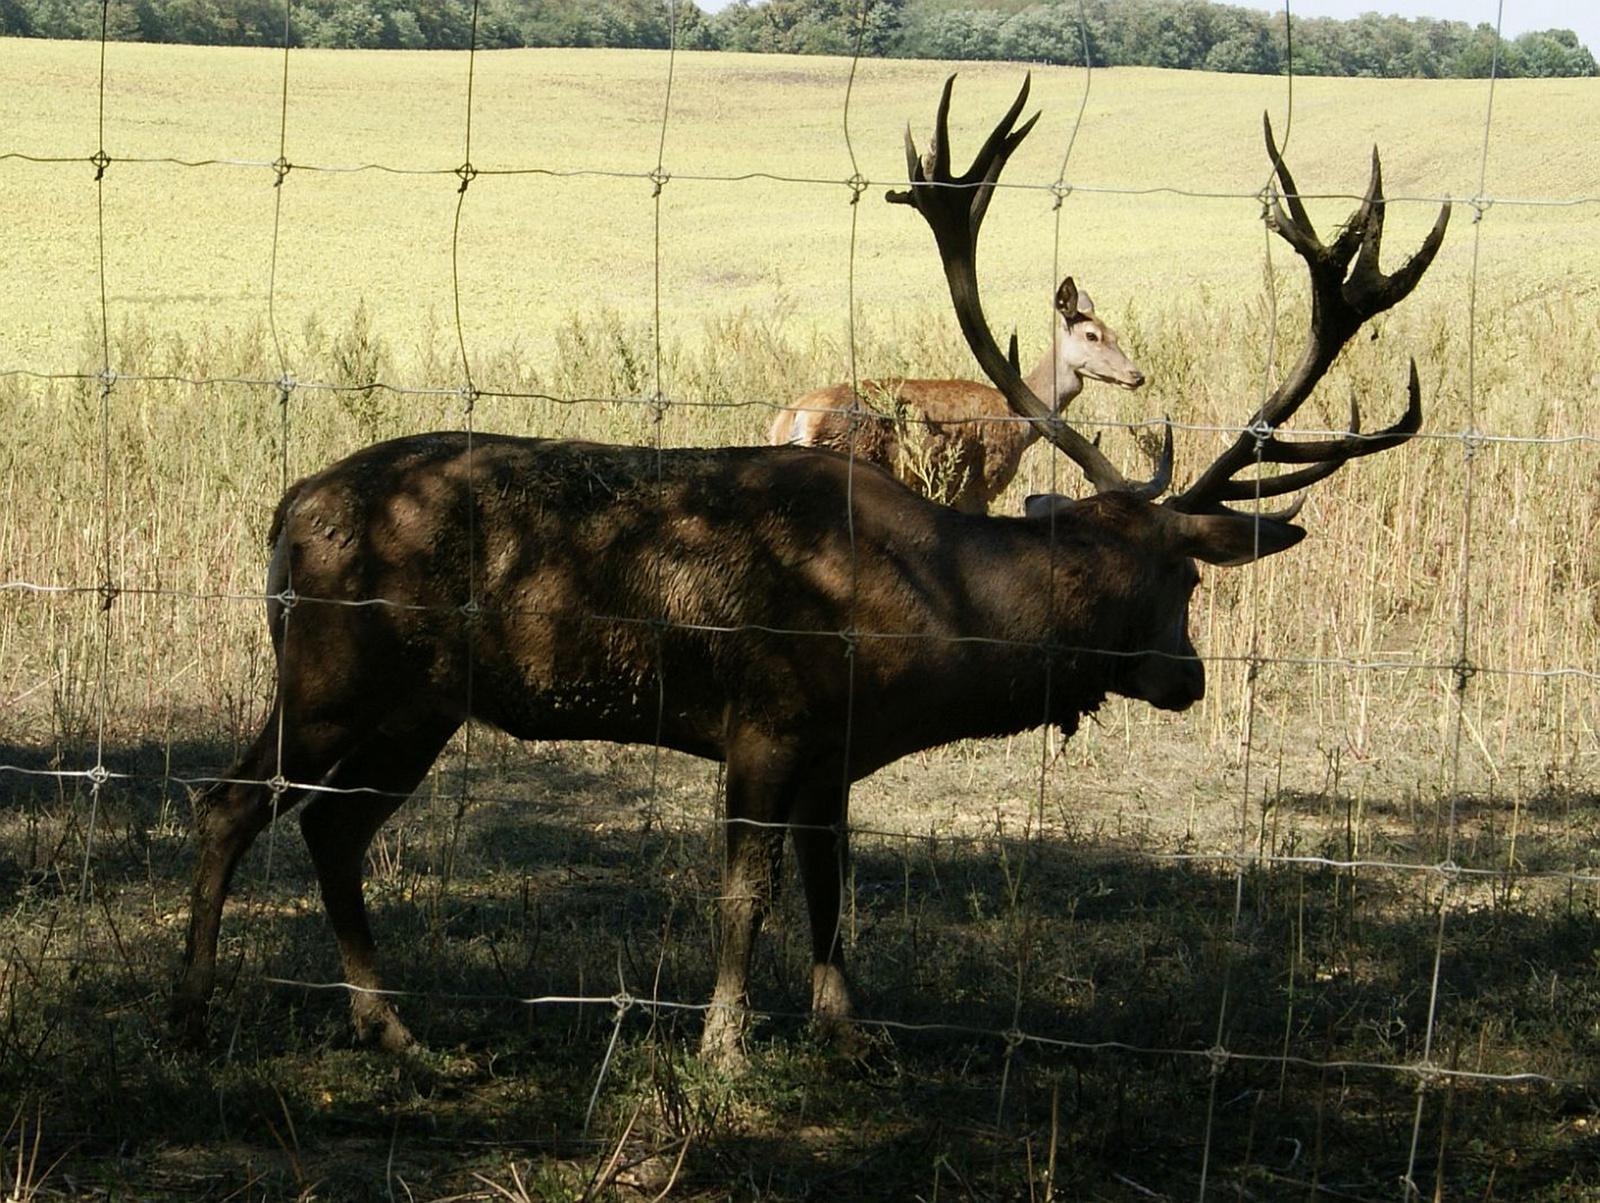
1343,297
1364,230
1326,456
954,208
1295,226
995,151
1404,278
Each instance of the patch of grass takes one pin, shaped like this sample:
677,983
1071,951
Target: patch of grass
1111,968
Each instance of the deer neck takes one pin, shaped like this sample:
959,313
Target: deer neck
1033,589
1054,381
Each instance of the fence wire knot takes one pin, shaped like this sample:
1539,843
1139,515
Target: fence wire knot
286,599
466,173
98,775
623,1002
1060,190
1449,870
101,161
1429,1076
279,785
857,185
1464,671
1217,1058
286,384
280,168
658,179
851,638
1261,431
469,395
108,592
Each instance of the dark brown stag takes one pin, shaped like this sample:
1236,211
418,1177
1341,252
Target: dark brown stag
802,618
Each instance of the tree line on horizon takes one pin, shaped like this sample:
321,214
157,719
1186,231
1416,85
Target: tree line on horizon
1184,34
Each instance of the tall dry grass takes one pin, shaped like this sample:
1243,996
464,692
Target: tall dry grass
1462,559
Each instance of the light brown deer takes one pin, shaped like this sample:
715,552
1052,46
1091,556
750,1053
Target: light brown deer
958,441
803,619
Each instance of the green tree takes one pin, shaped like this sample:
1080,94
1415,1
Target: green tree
15,19
1554,52
1195,34
1042,34
353,25
1480,54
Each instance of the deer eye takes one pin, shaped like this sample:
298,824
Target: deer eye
1092,336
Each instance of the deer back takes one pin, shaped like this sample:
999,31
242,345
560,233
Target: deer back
954,441
574,590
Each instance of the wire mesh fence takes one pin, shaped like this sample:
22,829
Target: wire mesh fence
1329,934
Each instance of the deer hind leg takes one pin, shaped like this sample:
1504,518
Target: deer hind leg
821,844
772,791
338,826
228,817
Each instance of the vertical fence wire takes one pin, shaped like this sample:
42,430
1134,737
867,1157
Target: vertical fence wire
471,609
659,408
1244,859
857,185
1022,889
107,585
285,394
1426,1069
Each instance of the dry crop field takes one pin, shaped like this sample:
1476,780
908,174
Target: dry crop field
1332,934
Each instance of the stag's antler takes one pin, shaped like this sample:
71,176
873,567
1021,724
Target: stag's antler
1342,299
954,207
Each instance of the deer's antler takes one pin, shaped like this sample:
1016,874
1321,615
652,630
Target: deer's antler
954,207
1343,298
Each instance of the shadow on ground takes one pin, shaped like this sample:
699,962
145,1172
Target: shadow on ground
1039,1011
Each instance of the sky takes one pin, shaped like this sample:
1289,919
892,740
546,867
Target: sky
1513,16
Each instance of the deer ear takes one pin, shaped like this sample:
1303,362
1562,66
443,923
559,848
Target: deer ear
1045,505
1229,540
1067,299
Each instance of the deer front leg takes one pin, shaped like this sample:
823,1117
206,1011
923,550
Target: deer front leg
750,868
